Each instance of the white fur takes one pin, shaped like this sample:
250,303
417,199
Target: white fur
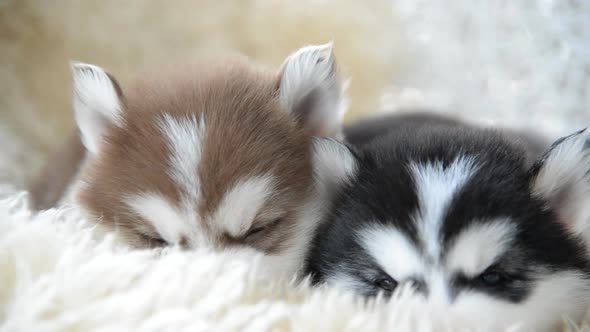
473,251
401,260
308,219
436,186
345,282
57,275
333,165
566,170
478,246
563,292
439,290
311,70
240,205
185,140
394,252
169,221
96,103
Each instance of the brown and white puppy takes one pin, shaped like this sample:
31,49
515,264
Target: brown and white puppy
214,155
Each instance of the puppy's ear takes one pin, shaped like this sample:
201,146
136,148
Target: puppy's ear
311,89
97,103
562,179
334,164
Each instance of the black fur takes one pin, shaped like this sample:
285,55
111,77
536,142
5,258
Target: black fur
383,192
362,132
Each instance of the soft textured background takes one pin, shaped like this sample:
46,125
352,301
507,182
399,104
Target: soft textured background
39,37
522,63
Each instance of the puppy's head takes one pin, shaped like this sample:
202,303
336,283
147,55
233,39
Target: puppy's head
462,217
218,154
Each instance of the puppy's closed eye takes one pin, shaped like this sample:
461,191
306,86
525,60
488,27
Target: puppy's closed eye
153,241
157,242
259,228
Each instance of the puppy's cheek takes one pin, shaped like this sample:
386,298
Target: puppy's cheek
120,237
560,295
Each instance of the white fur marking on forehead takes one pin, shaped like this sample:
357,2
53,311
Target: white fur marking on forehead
185,137
478,246
436,186
241,204
393,251
96,103
169,221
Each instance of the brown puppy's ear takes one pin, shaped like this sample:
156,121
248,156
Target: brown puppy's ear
562,179
97,103
311,89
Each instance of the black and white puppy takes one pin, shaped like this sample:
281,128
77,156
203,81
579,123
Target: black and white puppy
466,216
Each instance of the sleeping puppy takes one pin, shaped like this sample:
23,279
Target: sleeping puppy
472,219
217,154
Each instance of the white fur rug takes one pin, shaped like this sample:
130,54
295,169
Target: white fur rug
57,273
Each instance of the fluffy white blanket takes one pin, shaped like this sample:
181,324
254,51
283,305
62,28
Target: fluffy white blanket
57,273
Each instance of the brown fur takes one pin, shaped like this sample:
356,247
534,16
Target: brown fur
247,134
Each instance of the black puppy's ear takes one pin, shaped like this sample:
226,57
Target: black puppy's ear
562,179
334,163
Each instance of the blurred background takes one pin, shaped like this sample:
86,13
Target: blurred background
516,63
